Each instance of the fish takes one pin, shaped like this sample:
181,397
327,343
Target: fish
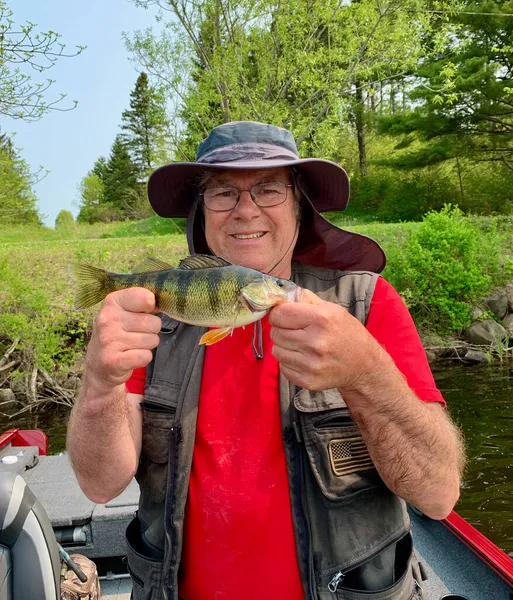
207,291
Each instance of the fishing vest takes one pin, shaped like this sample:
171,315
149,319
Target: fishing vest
352,533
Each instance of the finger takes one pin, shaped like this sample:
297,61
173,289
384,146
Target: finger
146,341
290,358
134,359
137,300
142,323
308,297
293,315
288,338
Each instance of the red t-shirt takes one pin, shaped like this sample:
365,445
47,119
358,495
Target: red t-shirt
239,536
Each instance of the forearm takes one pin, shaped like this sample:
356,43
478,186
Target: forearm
103,441
414,445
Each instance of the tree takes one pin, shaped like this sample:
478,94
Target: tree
121,178
17,201
91,190
64,220
21,97
146,126
463,94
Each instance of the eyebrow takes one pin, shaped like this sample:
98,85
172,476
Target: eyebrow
263,179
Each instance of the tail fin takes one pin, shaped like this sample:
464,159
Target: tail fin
92,285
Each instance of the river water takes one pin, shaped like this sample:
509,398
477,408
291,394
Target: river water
480,400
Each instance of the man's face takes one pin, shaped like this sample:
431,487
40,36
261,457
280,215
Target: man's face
275,227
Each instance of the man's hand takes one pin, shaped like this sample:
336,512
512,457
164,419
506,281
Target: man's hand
124,334
318,344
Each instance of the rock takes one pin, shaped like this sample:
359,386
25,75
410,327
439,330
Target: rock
507,323
475,313
509,294
475,357
485,333
431,356
7,395
498,303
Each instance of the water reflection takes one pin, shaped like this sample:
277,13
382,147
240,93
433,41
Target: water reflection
481,402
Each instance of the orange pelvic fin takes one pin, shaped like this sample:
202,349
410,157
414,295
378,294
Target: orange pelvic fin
215,335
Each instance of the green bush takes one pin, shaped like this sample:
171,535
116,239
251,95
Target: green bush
446,265
64,220
49,339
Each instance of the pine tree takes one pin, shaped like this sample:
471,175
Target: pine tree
120,179
146,124
17,200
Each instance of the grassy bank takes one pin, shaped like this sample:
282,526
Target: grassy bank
42,336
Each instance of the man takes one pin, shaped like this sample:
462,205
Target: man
274,464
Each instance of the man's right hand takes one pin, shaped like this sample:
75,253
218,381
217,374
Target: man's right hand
124,334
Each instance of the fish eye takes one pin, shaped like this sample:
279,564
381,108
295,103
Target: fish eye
280,283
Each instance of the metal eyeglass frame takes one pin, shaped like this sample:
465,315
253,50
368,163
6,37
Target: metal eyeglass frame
239,193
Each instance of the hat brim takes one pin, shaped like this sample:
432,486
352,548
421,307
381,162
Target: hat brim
171,188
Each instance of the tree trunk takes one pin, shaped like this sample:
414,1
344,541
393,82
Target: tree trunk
392,98
360,128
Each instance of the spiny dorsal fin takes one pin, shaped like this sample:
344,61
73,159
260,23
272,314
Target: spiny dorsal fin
151,264
202,261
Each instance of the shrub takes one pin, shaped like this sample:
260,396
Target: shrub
445,266
64,220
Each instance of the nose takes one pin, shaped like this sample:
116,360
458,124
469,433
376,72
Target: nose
246,208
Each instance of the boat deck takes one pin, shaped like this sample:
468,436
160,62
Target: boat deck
99,528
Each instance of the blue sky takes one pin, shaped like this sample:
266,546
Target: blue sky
101,78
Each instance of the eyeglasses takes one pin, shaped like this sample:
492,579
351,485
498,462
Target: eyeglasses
226,197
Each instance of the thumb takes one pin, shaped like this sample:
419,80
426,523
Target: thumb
308,297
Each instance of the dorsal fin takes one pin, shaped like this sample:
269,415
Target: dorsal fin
151,264
202,261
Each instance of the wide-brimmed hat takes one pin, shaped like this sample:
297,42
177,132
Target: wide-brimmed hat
244,145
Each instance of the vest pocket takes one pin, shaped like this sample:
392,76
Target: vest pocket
356,583
146,573
156,429
336,451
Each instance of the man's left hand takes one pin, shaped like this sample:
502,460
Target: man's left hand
318,344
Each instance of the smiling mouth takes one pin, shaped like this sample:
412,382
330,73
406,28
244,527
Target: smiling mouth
248,236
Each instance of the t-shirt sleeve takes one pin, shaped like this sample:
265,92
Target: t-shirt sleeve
135,385
391,324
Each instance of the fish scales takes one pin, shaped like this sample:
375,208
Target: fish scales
204,291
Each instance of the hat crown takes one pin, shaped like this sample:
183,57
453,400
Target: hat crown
246,133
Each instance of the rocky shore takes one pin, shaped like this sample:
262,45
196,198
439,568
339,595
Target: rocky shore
489,337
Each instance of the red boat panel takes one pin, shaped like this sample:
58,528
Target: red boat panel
485,549
25,437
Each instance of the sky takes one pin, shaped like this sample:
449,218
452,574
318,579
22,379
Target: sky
101,79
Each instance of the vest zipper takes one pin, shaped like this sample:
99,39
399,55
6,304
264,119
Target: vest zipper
170,533
340,575
337,578
292,436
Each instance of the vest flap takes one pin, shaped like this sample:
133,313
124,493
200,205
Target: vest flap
310,401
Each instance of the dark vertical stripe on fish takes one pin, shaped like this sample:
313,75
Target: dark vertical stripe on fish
214,278
159,286
182,286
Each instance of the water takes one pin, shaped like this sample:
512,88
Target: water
480,400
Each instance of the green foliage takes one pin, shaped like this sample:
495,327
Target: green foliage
17,201
447,265
64,220
27,313
146,124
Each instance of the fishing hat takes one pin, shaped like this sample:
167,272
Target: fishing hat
243,145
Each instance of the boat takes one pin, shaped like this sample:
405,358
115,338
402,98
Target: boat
457,561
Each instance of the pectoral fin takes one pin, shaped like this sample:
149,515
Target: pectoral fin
214,336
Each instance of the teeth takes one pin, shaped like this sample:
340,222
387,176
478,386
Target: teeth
242,236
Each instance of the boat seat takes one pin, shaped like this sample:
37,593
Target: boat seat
29,555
